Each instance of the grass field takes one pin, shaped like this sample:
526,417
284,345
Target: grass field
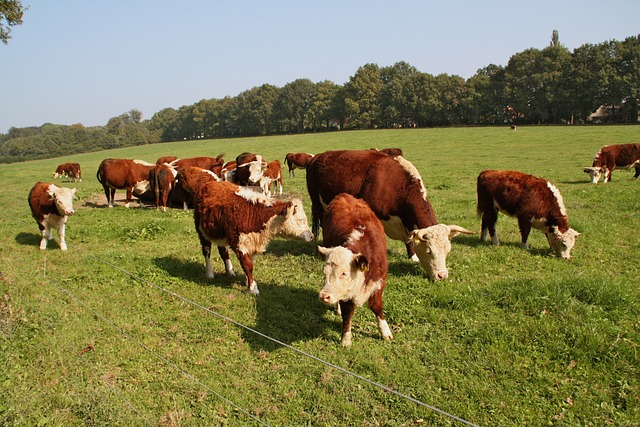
124,329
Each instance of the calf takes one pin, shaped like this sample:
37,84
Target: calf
51,206
71,170
162,180
355,261
534,201
273,173
188,182
228,215
611,156
130,175
297,161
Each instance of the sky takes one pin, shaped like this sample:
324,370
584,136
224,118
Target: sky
86,61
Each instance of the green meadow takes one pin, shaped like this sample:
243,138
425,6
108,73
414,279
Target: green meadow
124,329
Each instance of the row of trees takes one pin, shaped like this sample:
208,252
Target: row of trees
537,86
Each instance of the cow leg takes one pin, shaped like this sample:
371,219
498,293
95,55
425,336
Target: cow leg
224,255
165,196
489,219
206,252
375,304
46,235
637,174
607,175
62,233
347,308
246,261
525,228
411,251
129,197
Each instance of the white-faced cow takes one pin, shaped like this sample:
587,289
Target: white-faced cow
611,157
297,161
162,180
394,190
249,169
71,170
272,174
228,215
124,174
534,201
355,261
188,182
51,206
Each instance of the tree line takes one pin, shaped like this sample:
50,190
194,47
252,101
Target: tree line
537,86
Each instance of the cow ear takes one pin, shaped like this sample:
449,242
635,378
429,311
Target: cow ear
360,262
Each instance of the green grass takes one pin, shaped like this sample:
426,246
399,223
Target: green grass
511,338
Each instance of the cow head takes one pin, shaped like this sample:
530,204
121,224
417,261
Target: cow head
295,224
63,198
432,245
344,275
562,243
594,172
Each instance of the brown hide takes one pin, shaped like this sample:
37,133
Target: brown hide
162,182
41,203
122,174
189,180
214,164
242,173
621,155
166,159
297,160
71,170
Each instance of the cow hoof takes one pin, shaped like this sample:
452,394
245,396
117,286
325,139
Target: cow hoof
415,258
63,246
253,289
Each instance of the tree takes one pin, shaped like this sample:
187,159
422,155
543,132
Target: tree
11,12
362,97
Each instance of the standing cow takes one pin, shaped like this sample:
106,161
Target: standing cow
394,190
534,201
612,156
188,182
297,161
272,174
228,215
249,169
162,180
51,206
124,174
355,261
71,170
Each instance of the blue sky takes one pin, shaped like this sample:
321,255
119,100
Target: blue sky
85,61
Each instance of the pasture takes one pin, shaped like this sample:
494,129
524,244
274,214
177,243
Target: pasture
123,328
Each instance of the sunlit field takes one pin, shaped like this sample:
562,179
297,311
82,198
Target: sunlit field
124,329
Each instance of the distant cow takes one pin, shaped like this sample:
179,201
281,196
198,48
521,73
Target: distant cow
188,182
51,206
162,180
124,174
394,190
534,201
71,170
272,174
249,169
228,215
355,261
297,161
612,156
214,164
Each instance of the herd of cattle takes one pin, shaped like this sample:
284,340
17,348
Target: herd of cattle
357,197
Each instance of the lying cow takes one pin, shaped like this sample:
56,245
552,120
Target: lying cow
162,180
228,215
534,201
614,156
124,174
355,261
297,161
394,190
71,170
51,206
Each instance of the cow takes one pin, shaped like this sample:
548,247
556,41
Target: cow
249,169
272,174
188,182
355,261
214,164
534,201
390,151
228,215
165,159
228,171
394,190
162,180
297,161
611,156
51,206
71,170
124,174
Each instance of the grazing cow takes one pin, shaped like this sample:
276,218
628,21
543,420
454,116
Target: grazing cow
214,164
124,174
514,128
273,173
297,161
51,206
390,151
162,180
355,261
228,215
611,156
166,159
71,170
395,192
534,201
249,169
188,182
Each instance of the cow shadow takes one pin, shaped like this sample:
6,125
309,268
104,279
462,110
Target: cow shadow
28,239
192,271
281,247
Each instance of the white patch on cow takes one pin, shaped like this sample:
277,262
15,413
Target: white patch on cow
63,198
143,163
343,282
355,235
395,229
383,326
254,197
253,288
207,171
208,268
229,267
432,247
408,166
558,197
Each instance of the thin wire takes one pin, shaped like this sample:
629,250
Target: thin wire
164,359
240,325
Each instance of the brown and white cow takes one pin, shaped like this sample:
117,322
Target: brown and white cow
214,164
245,220
51,206
188,182
124,174
297,161
614,156
165,159
355,261
272,174
390,151
162,180
71,170
394,190
249,169
534,201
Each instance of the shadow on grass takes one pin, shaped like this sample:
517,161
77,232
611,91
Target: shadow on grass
28,239
193,272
